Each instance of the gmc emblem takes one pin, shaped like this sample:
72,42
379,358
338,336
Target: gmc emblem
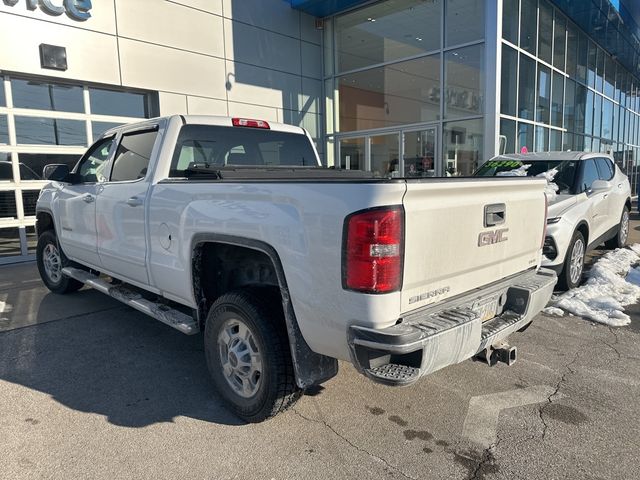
492,236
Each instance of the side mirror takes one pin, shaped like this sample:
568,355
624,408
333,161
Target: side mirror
57,172
600,186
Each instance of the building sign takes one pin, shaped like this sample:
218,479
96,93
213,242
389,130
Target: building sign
75,9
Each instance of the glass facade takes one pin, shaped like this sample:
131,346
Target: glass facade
562,91
43,122
406,77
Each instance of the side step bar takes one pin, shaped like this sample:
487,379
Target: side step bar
159,311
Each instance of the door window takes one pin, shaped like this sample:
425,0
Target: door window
92,166
605,168
589,175
133,155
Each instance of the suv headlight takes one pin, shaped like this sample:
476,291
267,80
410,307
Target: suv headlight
552,220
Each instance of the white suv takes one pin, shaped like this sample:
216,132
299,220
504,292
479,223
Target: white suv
591,206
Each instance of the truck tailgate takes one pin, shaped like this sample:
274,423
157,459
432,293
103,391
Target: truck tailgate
461,234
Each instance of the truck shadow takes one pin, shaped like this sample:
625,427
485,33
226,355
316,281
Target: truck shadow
115,362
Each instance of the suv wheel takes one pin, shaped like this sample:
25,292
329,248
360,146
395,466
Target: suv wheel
51,260
248,356
620,240
573,263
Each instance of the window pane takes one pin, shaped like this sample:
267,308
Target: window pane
3,101
559,40
592,60
464,80
122,104
609,76
6,170
600,70
555,141
462,146
581,109
570,106
508,84
32,240
528,25
387,31
29,200
605,167
406,92
34,163
46,96
567,141
9,239
527,91
542,139
50,131
510,20
607,119
419,153
545,30
619,77
557,94
464,21
8,204
133,156
525,137
4,132
583,52
352,154
572,50
544,94
597,115
588,115
98,128
384,154
508,132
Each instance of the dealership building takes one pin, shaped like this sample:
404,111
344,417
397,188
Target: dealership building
397,87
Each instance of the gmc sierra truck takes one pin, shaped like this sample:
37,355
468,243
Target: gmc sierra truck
231,227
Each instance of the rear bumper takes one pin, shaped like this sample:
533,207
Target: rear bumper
434,337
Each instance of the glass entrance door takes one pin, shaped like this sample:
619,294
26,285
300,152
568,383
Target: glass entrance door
392,153
419,153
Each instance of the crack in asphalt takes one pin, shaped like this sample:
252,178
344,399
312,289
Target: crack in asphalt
68,317
487,458
541,409
353,445
612,346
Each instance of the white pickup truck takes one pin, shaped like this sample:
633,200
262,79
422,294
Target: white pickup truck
232,227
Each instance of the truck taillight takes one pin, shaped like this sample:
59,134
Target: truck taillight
546,213
373,250
248,122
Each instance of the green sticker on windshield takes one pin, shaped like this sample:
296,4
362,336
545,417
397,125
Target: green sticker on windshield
503,163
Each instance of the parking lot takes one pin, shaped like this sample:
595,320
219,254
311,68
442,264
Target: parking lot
92,389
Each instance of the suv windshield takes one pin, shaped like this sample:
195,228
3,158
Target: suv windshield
565,178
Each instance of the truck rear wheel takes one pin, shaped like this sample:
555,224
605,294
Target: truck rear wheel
248,357
51,260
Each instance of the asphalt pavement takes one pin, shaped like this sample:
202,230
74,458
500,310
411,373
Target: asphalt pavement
92,389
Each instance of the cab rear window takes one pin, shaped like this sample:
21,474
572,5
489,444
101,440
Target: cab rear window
215,146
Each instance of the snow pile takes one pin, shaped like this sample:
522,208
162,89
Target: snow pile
553,311
552,189
612,285
516,172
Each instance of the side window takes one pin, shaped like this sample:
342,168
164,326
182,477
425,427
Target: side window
606,168
133,156
92,166
589,175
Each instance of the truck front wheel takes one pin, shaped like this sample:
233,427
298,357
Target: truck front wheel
51,260
248,355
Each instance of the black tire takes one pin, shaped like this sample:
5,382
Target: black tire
622,235
57,283
567,281
275,386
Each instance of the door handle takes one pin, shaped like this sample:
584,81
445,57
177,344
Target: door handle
134,202
605,195
88,198
619,185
